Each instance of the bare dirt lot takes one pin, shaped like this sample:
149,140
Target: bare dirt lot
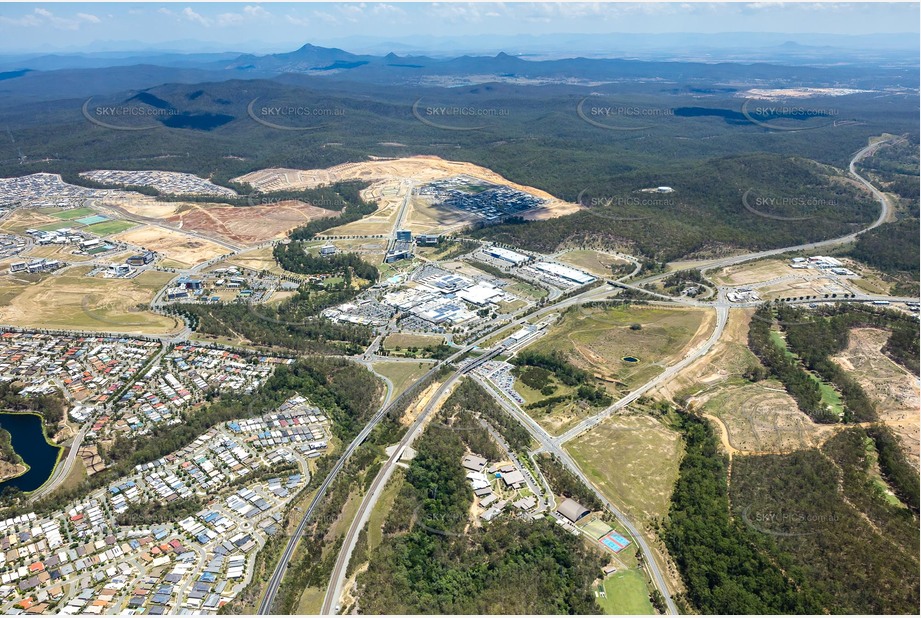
388,178
243,225
763,418
251,224
177,246
894,390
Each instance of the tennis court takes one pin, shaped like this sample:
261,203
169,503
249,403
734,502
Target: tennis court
614,541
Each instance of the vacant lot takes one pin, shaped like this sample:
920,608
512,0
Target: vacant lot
403,375
894,390
595,262
763,418
408,340
72,300
634,461
250,224
754,272
174,245
599,338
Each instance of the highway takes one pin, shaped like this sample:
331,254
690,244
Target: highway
884,215
265,607
337,578
549,445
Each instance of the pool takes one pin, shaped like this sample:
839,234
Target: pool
630,359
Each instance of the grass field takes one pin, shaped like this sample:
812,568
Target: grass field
403,375
72,300
522,288
311,601
401,340
634,461
110,227
382,509
597,339
74,213
595,262
51,227
625,593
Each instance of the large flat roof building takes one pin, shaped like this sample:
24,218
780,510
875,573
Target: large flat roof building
564,272
509,256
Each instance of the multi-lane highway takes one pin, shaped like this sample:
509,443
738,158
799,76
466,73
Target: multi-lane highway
337,579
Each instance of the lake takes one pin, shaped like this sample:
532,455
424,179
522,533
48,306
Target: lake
29,442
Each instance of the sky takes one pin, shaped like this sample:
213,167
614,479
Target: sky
272,27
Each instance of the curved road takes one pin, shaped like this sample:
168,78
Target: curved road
337,578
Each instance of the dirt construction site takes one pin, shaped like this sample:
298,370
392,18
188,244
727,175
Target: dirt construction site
390,178
896,393
245,225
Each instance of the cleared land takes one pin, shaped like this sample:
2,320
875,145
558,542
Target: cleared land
389,187
599,338
72,300
174,245
250,224
762,418
595,262
408,340
403,375
894,390
634,461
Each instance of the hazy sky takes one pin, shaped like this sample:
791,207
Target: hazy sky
282,26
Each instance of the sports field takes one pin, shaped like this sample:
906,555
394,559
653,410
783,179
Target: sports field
73,213
109,226
625,594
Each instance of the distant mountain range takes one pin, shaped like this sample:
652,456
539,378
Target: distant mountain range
48,77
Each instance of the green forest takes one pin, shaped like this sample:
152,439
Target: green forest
823,516
432,561
723,564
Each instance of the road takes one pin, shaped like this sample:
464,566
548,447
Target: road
265,607
722,316
337,578
63,468
549,445
884,215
